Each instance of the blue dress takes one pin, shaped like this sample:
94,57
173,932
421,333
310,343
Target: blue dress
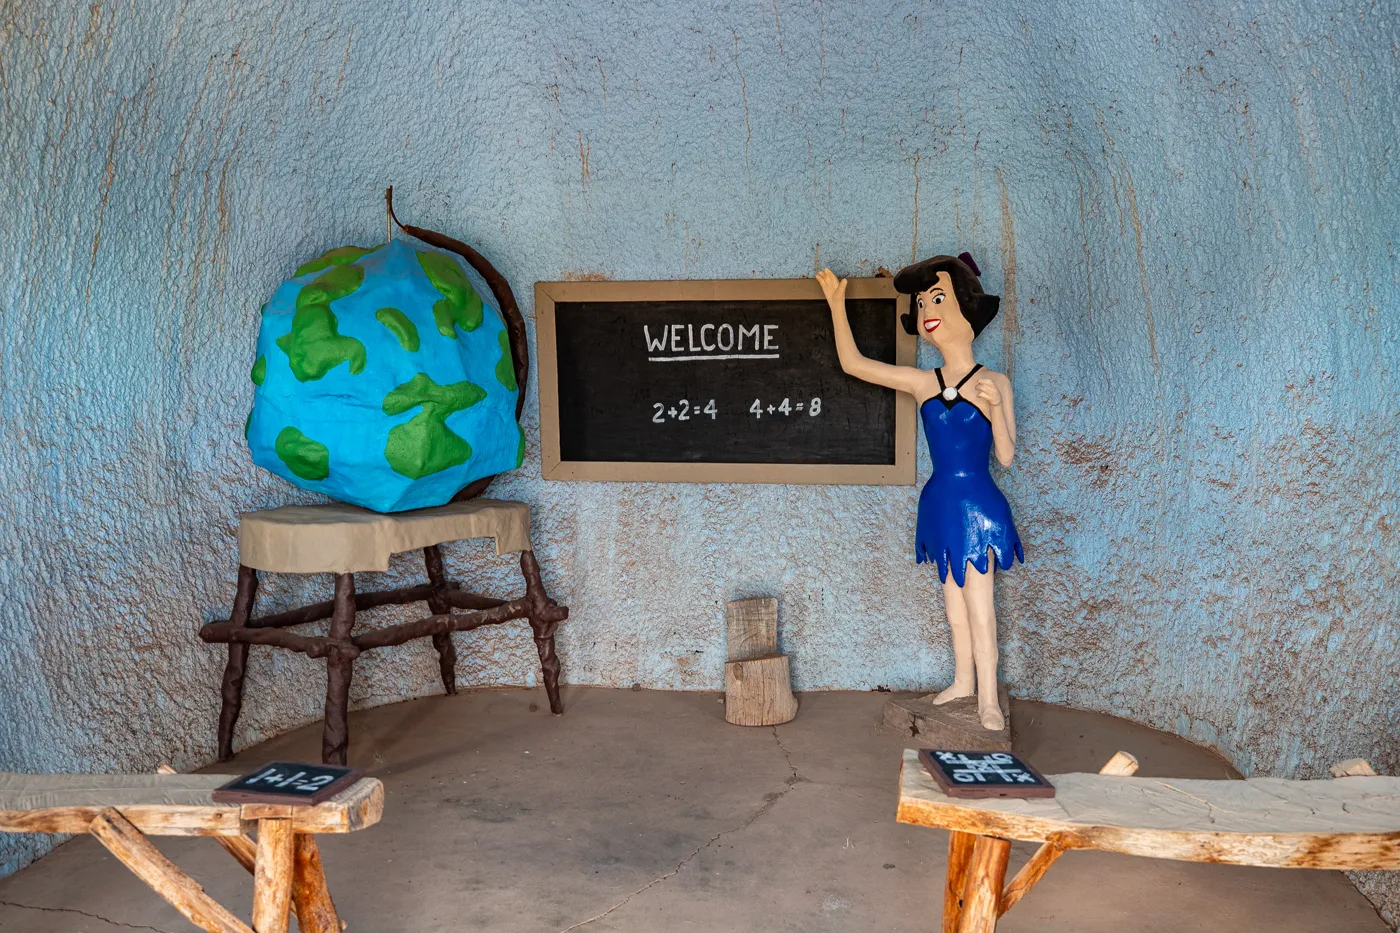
962,513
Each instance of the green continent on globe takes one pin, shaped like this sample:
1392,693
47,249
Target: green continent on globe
460,303
336,283
314,347
520,451
259,370
306,458
400,326
340,256
505,366
425,444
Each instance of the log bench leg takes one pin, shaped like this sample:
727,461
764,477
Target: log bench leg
311,898
1029,875
178,889
438,605
982,896
272,876
234,671
959,857
544,619
340,667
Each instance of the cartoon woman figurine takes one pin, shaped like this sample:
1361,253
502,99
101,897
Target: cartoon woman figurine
966,411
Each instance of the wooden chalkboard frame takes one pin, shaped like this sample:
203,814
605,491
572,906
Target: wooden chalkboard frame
547,294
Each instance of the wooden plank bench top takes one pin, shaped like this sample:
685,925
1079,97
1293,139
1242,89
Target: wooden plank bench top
1348,823
168,805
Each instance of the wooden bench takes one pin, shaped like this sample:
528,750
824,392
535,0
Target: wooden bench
122,810
1352,823
342,540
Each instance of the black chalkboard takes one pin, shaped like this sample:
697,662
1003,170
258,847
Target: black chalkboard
984,774
288,782
721,381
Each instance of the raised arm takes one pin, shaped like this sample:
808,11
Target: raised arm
853,362
995,391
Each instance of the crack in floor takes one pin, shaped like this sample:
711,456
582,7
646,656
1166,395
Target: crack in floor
789,783
795,776
83,913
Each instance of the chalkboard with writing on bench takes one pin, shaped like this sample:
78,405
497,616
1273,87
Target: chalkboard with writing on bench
733,381
288,782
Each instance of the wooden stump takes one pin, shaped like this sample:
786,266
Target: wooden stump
758,692
752,628
757,680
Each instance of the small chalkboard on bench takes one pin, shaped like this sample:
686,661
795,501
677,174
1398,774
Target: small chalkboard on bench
288,782
719,381
984,774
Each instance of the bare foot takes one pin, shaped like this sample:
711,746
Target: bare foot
990,714
956,692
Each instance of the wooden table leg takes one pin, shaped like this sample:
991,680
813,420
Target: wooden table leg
232,690
959,857
310,895
438,605
181,891
985,874
544,619
272,876
549,664
340,667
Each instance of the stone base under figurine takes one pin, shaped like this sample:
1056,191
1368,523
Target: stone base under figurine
954,725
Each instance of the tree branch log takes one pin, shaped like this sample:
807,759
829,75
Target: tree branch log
182,892
311,898
272,876
440,624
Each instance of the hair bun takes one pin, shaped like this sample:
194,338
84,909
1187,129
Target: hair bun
970,263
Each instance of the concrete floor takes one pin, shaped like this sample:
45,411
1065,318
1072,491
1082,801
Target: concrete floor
645,811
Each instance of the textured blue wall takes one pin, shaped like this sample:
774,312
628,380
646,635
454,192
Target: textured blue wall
1189,210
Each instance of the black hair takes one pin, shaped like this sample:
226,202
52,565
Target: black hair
977,307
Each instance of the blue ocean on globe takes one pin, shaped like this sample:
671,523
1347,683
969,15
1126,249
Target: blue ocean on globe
383,380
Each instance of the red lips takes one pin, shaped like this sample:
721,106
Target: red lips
931,324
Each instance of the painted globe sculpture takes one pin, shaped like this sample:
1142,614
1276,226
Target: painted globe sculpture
383,380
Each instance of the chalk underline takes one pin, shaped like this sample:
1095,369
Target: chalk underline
725,356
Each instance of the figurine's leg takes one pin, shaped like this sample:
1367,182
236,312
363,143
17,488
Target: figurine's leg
982,619
963,681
